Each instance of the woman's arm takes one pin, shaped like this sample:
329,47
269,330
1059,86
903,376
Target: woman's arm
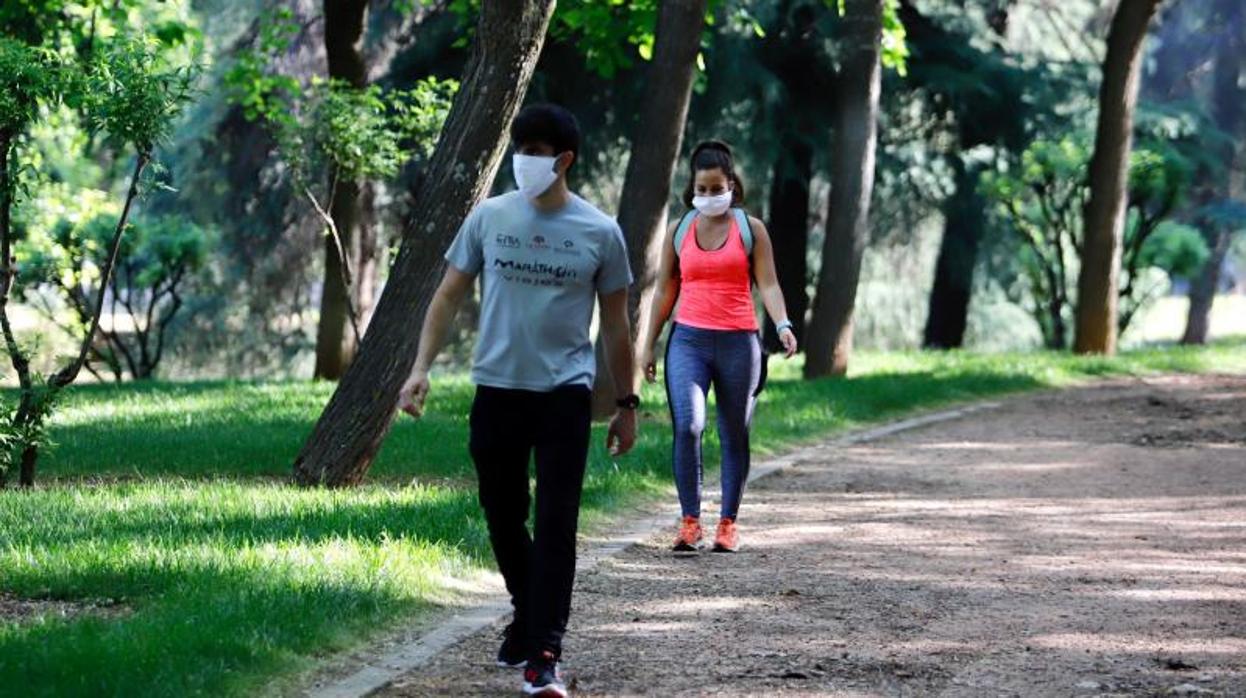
768,283
665,293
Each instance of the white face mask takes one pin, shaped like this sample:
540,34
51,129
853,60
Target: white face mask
534,174
713,205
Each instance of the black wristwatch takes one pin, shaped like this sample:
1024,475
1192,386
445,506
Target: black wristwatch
629,402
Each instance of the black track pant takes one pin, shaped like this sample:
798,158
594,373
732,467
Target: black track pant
507,428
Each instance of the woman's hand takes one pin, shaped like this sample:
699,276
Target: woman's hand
649,365
788,338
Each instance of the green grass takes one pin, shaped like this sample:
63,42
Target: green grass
218,584
165,503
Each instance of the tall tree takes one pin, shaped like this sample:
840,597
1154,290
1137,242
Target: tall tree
126,89
790,51
1109,178
852,184
348,281
346,438
655,150
1229,111
984,94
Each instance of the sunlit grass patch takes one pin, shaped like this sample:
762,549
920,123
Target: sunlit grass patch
226,582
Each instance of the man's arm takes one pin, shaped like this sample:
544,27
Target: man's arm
617,336
454,287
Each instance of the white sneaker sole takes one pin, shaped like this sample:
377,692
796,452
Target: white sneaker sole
545,691
504,665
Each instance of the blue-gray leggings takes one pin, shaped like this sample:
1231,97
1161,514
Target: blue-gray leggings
731,361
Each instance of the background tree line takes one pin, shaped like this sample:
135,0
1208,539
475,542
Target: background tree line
934,172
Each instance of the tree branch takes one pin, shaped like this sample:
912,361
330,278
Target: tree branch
167,319
67,375
341,255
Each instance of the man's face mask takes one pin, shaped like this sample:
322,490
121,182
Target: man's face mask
534,174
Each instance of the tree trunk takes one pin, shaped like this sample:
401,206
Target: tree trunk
994,114
335,335
655,150
350,430
1108,176
27,418
1229,112
789,232
1203,291
793,52
852,184
369,256
958,254
7,273
69,373
26,413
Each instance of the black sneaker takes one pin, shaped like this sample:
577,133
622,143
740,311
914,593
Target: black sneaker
512,653
542,678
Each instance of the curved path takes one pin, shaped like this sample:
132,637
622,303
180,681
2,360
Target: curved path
1082,542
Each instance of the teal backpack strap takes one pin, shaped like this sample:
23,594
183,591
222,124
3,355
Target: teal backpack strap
681,231
746,229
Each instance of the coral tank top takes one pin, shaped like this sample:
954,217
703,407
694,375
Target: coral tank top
715,286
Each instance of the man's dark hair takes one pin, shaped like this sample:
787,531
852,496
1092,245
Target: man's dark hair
549,124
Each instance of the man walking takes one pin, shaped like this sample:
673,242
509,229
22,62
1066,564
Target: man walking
545,256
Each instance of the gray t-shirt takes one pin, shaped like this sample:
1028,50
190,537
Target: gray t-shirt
540,275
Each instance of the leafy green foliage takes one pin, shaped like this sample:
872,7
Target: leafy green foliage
134,94
28,76
123,88
158,257
17,433
610,34
895,51
1176,248
262,93
43,22
1042,199
366,133
369,133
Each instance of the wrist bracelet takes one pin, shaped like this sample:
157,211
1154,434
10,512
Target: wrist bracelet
785,325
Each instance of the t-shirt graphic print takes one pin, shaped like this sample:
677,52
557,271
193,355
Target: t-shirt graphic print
540,276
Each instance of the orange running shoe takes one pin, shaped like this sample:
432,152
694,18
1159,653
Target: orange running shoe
728,539
689,538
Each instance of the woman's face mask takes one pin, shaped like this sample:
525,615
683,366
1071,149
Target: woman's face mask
712,205
712,191
534,174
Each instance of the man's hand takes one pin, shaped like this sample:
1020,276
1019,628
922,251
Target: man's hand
621,435
413,393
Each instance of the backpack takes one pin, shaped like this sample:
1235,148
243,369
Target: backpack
741,219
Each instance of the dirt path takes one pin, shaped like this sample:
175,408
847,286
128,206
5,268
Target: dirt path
1085,542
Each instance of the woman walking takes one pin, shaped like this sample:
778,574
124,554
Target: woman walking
709,262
